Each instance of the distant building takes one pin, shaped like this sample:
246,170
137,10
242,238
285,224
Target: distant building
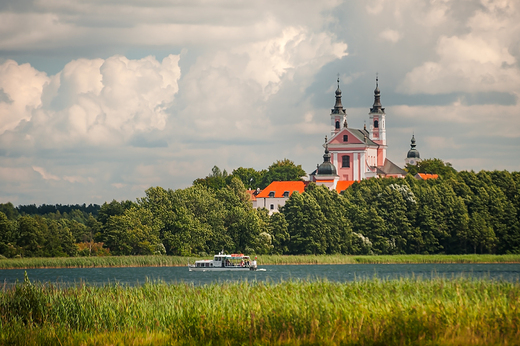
354,154
413,157
277,193
350,155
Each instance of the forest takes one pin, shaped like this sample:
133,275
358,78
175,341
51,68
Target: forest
458,213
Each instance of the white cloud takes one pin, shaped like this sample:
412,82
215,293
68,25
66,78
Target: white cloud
90,102
390,35
45,175
23,86
478,61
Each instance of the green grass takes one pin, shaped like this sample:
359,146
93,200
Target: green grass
365,312
143,261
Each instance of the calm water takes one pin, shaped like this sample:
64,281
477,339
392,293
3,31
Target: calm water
338,272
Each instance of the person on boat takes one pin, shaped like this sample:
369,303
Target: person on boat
242,263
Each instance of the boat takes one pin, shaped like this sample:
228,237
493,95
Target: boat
224,262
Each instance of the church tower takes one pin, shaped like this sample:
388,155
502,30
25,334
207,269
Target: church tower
413,157
377,122
338,115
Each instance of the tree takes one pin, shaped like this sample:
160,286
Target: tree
392,208
306,225
251,178
132,233
434,166
284,170
278,228
216,180
30,236
339,230
9,211
6,234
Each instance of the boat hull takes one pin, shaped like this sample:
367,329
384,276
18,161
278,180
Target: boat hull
225,269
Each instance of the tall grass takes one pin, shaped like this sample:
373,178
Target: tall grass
369,312
88,262
145,261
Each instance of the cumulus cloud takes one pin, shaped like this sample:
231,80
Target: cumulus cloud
22,87
478,61
90,102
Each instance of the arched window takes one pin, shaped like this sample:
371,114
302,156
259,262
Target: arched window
337,124
376,124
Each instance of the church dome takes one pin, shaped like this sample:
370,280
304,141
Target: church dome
413,153
326,168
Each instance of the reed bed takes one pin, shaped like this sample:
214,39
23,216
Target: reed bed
91,262
150,261
365,312
387,259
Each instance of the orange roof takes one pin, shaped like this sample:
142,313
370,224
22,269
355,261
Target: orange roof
252,196
279,187
342,185
425,176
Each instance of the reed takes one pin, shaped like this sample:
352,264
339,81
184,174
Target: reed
91,262
149,261
368,312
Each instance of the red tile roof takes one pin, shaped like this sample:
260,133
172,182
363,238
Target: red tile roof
342,185
279,187
425,176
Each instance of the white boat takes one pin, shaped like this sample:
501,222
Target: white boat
224,262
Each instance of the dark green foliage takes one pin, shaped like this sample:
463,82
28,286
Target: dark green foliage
284,170
9,210
433,166
460,213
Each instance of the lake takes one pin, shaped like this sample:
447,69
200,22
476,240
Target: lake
336,272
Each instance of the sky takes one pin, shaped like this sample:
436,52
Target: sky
102,99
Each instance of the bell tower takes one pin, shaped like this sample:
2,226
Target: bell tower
377,121
338,115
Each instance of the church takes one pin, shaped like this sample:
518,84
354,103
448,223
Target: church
354,154
350,155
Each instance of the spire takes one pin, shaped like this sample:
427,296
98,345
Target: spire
338,107
377,107
326,156
413,153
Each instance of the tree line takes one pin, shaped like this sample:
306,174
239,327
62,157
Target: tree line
459,213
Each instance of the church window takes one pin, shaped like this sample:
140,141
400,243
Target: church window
376,124
337,124
345,161
271,207
345,138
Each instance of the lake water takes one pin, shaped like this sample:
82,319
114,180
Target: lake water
274,273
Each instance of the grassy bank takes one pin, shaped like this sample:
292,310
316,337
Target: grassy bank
144,261
368,312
